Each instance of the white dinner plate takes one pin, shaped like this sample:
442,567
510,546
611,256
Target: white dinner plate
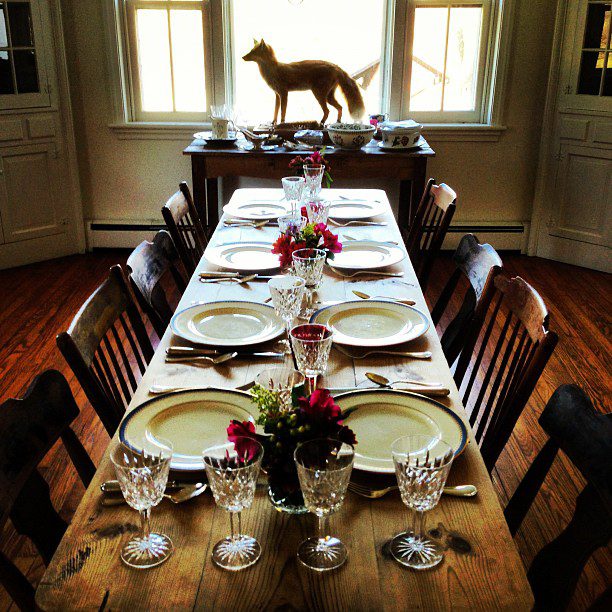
382,416
192,420
244,256
228,323
367,255
372,322
257,210
359,208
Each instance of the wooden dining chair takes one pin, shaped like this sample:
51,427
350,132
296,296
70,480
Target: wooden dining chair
29,428
107,348
478,264
585,436
186,228
507,346
148,266
428,228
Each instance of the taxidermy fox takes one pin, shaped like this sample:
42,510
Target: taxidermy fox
320,77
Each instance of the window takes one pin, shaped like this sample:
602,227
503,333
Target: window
22,78
595,73
431,60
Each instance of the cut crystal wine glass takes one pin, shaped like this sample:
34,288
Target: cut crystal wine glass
142,471
318,211
422,464
292,224
287,294
313,174
324,468
308,264
232,469
282,381
293,186
311,346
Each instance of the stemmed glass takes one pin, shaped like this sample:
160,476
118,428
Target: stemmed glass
318,211
293,186
311,346
422,464
142,476
324,468
308,264
281,381
292,224
313,174
232,469
287,296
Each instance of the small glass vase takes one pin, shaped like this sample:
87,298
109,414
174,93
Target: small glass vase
284,489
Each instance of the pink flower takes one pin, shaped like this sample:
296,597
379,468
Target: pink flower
243,435
320,406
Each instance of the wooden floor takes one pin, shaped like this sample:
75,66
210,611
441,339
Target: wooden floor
38,301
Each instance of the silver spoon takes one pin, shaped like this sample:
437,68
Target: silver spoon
368,272
467,490
178,497
385,382
365,296
364,223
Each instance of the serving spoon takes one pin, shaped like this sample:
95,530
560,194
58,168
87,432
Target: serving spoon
428,388
365,296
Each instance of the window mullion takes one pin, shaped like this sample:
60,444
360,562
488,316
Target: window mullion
448,18
171,60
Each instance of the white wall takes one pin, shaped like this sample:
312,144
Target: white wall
128,180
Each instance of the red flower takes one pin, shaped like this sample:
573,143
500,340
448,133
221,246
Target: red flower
284,246
330,241
304,212
320,406
316,159
346,434
241,434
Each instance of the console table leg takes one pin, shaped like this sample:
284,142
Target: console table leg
404,209
212,202
418,186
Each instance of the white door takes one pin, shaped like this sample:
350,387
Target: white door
39,199
573,218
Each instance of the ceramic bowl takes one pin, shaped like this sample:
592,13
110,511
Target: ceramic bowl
351,135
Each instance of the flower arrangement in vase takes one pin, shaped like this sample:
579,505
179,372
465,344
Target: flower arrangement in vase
307,418
314,159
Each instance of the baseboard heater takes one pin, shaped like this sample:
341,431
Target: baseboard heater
510,236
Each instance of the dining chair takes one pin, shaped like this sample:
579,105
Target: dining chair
585,436
478,264
107,347
507,346
428,228
186,228
29,428
148,266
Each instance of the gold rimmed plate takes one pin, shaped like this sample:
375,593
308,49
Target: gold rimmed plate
381,416
192,420
243,256
367,255
257,210
231,323
358,208
372,322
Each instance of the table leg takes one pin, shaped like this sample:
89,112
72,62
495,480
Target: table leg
418,186
404,212
198,181
212,202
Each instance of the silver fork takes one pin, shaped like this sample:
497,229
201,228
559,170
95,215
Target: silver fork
214,360
370,272
356,222
411,354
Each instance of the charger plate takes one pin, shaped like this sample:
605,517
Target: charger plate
382,416
367,255
234,323
192,420
257,210
359,208
243,256
372,322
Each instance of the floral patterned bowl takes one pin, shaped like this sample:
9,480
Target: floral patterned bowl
351,135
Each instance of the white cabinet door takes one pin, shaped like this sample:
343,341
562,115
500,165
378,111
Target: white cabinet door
30,204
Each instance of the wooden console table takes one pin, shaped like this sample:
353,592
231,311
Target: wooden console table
209,164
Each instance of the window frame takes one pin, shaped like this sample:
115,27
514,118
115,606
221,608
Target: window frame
484,123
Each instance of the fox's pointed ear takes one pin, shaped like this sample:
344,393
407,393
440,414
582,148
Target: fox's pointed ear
262,42
255,42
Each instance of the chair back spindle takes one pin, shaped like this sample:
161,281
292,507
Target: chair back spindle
107,348
147,266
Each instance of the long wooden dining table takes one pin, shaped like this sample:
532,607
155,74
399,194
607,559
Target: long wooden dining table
481,570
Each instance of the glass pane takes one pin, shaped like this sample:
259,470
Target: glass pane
188,61
20,22
428,58
25,71
345,32
589,77
607,88
597,26
3,32
154,60
6,74
462,58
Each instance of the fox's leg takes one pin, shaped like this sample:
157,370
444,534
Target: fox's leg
332,100
321,99
276,107
283,105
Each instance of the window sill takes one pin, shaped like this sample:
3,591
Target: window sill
434,132
462,132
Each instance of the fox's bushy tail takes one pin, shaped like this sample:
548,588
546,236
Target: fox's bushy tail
353,96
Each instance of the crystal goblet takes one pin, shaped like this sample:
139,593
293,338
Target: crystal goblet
142,472
311,346
292,224
232,469
324,468
308,264
318,211
313,175
293,186
282,381
422,464
287,294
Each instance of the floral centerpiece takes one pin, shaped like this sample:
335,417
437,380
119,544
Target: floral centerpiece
308,418
314,159
312,236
